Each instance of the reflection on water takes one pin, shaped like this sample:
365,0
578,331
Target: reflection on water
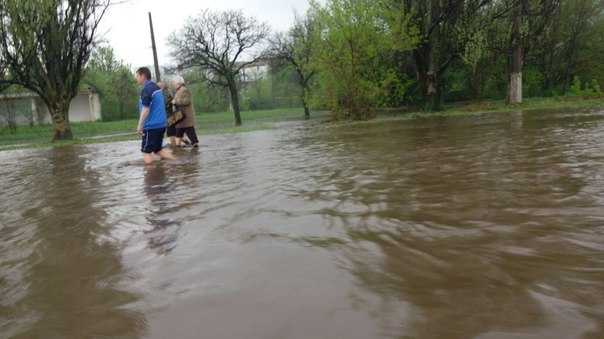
59,278
488,226
157,185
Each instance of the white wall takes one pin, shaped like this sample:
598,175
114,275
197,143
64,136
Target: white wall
86,106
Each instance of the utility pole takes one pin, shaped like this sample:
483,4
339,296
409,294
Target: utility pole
157,75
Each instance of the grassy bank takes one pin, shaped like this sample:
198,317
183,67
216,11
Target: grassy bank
223,123
96,132
528,105
470,108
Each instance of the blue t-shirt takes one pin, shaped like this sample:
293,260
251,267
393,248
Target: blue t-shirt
153,98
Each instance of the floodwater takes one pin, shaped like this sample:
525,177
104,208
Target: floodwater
486,226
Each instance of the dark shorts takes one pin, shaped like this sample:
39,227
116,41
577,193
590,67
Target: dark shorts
153,140
171,131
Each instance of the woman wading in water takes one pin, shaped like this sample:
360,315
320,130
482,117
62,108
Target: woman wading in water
182,101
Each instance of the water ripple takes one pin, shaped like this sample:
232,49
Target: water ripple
485,226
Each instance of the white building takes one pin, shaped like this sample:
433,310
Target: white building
27,108
254,72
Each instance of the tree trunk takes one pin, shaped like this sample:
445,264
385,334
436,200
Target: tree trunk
305,103
515,70
273,85
422,78
428,63
434,92
235,102
228,96
515,90
430,87
59,113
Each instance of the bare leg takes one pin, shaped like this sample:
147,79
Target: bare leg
173,141
148,158
165,154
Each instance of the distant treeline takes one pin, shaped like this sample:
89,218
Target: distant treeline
355,56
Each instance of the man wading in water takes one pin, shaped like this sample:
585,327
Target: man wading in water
152,122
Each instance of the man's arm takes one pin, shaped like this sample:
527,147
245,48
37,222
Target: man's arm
141,120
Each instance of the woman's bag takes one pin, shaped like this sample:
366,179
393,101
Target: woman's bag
177,117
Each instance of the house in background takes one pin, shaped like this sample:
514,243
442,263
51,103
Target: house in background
86,106
254,72
250,77
28,108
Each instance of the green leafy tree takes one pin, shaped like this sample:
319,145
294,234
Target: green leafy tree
45,45
572,45
355,53
528,20
516,28
445,28
115,83
507,46
4,78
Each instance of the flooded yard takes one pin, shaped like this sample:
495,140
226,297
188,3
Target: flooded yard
485,226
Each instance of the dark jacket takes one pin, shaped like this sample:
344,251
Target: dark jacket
168,101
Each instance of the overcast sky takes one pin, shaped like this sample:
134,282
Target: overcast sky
126,26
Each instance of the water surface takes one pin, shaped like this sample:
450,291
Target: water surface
487,226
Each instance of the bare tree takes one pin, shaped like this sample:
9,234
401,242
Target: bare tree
295,49
45,45
215,41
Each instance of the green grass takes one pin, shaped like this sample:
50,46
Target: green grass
229,117
40,136
223,123
529,104
97,132
226,120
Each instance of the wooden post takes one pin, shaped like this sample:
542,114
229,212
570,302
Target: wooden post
157,75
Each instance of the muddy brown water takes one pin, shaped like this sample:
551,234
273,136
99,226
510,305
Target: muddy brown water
485,226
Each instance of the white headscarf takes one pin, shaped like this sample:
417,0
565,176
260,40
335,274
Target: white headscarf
178,79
